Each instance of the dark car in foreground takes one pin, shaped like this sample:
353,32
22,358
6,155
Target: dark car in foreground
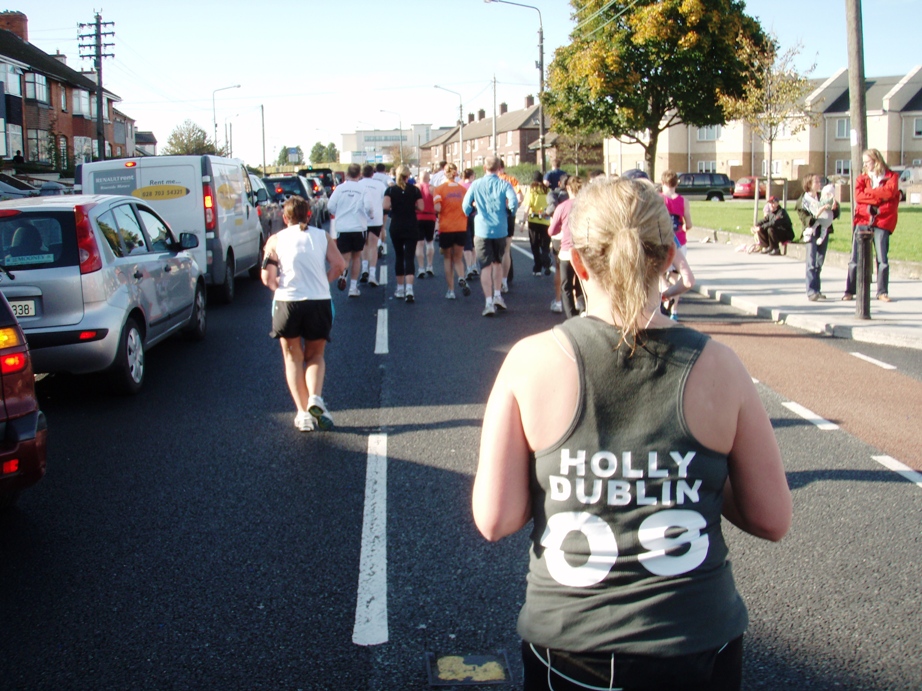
23,430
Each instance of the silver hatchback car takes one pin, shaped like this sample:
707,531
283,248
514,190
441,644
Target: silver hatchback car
95,280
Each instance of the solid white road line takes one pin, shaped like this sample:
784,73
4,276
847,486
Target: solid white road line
382,275
880,364
810,416
371,603
904,470
381,333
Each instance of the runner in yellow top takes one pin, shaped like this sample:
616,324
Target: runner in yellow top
452,229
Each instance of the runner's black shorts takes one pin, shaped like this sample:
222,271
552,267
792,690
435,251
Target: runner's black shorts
311,320
375,230
426,230
449,240
351,242
489,250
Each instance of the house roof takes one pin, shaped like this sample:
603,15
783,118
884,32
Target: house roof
144,138
507,122
875,90
914,103
15,48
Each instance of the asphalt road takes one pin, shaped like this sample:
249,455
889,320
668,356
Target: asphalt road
191,538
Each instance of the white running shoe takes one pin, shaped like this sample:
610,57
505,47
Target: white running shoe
489,310
450,295
505,287
372,281
304,422
499,303
556,306
318,409
400,293
354,292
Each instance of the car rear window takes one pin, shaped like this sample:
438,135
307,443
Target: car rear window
42,240
288,186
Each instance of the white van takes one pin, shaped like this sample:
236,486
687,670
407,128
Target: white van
209,196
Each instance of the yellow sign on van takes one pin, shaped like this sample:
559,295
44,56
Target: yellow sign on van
157,193
227,197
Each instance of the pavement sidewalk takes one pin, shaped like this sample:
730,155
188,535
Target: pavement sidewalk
775,288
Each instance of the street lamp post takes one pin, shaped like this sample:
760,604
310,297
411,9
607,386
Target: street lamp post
214,111
460,123
540,66
399,133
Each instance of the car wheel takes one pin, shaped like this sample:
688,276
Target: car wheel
226,291
716,197
127,373
195,331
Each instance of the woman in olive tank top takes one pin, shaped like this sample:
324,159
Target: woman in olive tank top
653,433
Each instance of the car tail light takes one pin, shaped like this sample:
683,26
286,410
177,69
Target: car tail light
12,363
11,466
87,335
208,202
6,213
88,250
9,338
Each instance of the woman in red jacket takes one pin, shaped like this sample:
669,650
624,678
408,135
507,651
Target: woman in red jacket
877,200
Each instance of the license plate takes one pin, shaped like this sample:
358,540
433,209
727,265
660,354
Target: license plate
23,308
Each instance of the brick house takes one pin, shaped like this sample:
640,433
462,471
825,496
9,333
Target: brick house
894,116
515,132
49,109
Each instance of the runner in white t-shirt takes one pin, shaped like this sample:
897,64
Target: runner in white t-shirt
376,190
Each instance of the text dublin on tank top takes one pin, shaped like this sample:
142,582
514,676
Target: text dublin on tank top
627,551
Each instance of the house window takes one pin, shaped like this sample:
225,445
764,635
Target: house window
707,166
37,87
105,108
62,152
843,125
63,98
843,166
776,167
711,133
81,101
476,144
14,132
83,149
37,142
917,161
509,138
917,127
10,76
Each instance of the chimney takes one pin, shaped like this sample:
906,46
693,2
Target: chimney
60,57
470,118
16,23
481,114
529,101
503,108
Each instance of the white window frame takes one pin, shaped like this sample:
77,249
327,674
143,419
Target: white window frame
843,166
843,126
707,166
711,133
37,141
509,138
37,87
776,166
83,149
81,100
63,98
14,137
917,128
12,80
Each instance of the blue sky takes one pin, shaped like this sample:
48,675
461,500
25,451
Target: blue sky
321,68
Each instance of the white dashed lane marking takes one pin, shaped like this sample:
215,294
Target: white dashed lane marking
810,416
897,467
381,345
882,365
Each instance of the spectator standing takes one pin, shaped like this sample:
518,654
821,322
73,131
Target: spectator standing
300,261
553,175
645,599
808,208
495,201
535,204
351,206
402,200
877,197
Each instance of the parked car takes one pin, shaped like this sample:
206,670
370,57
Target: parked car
206,195
709,186
96,280
909,176
323,199
266,208
285,185
24,429
8,191
745,188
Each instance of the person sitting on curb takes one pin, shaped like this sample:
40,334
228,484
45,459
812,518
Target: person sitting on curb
774,229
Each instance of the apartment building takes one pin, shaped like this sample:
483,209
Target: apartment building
894,115
48,109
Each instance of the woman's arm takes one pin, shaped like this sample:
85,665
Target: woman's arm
687,214
269,273
335,260
501,500
686,278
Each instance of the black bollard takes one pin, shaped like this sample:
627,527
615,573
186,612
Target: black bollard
863,273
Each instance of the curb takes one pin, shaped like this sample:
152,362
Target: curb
795,250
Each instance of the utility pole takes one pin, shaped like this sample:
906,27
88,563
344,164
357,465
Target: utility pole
98,48
859,139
